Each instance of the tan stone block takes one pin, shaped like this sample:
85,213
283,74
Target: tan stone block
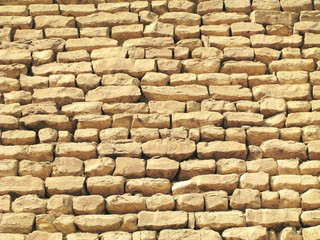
258,181
293,134
99,167
251,68
162,168
217,106
181,18
223,42
215,30
6,34
116,235
86,135
64,136
291,53
191,202
254,233
113,7
65,185
82,108
65,224
273,218
279,29
148,186
138,6
125,32
77,10
12,70
144,134
149,42
213,182
191,168
18,137
13,184
151,121
12,236
265,5
79,150
28,34
5,204
155,79
274,17
292,65
125,204
36,169
43,9
145,235
47,135
223,18
120,148
59,205
276,42
114,134
93,121
269,199
9,84
160,202
231,165
311,233
238,53
67,166
116,108
98,223
44,222
16,22
64,33
246,29
310,199
310,167
162,220
91,32
73,56
84,236
90,44
287,92
54,21
257,135
129,167
119,79
106,185
29,203
288,166
17,222
21,97
242,199
230,93
299,183
92,204
289,199
272,106
62,80
248,106
267,165
266,55
238,119
220,220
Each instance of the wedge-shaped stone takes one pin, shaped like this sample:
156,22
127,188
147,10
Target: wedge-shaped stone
279,149
299,183
178,93
98,223
110,94
125,204
62,68
9,56
274,17
223,42
17,222
78,150
273,218
148,186
181,18
196,119
38,121
17,185
248,67
230,93
220,220
103,19
224,18
177,149
54,21
106,185
292,65
65,185
287,91
16,22
135,68
162,220
60,95
213,182
149,42
199,66
252,233
120,148
275,42
90,44
189,234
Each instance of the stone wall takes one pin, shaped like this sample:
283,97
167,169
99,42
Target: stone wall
178,120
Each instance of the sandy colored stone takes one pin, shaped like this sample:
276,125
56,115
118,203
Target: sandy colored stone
65,185
275,42
14,184
148,186
279,149
17,222
274,17
220,220
65,224
310,199
29,203
254,233
162,168
99,167
222,42
125,204
106,185
311,233
162,220
220,149
273,218
16,22
223,18
231,165
67,166
59,205
55,68
120,148
56,21
130,167
83,236
299,183
78,150
43,9
88,205
98,223
212,182
259,181
36,169
230,93
216,200
191,168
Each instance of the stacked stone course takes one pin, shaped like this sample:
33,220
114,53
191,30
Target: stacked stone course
159,120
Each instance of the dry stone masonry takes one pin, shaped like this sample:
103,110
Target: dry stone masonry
160,120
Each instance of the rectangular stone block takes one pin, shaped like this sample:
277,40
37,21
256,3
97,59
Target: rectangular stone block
221,149
62,68
162,220
196,119
54,21
106,185
65,185
16,22
98,223
114,94
274,17
16,223
78,150
302,119
299,183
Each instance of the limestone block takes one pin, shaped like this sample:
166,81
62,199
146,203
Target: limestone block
92,204
148,186
14,184
65,185
162,167
17,222
121,204
106,185
299,183
258,181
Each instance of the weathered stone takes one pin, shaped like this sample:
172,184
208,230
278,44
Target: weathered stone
162,220
219,149
231,165
254,233
212,182
224,18
274,17
88,205
220,220
65,224
79,150
310,199
35,169
17,222
299,183
83,236
223,42
62,68
13,184
148,186
98,223
259,181
93,121
237,119
198,66
276,42
65,185
149,42
265,5
29,203
162,168
120,148
106,185
273,218
67,166
58,205
125,204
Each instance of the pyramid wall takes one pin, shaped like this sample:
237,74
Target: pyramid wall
159,120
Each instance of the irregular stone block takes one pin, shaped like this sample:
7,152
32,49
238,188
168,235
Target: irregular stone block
98,223
106,185
223,18
254,233
212,182
220,149
13,184
125,204
17,222
120,148
274,17
148,186
65,185
299,183
78,150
